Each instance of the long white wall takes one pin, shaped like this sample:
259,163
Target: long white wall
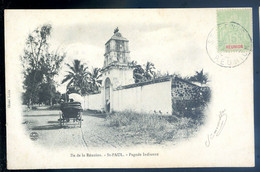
152,98
145,99
93,102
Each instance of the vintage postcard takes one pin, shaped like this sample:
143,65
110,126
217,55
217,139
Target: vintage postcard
129,88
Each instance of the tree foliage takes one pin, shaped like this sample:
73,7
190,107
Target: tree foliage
80,80
95,80
147,72
199,77
46,91
77,78
39,64
143,73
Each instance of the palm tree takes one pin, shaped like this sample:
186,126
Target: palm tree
78,78
95,80
144,73
149,71
138,72
200,77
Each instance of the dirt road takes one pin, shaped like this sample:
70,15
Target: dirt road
93,133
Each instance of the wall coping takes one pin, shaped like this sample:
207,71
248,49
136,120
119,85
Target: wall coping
154,81
187,82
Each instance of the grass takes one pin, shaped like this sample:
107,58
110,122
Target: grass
147,128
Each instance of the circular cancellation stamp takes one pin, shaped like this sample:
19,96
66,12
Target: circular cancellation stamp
229,44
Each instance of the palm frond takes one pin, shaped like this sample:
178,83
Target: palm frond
67,77
71,68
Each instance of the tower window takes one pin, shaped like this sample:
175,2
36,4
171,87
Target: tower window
119,45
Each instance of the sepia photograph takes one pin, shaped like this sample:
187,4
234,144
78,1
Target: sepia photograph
129,88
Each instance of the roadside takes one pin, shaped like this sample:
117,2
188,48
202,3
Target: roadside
94,132
101,131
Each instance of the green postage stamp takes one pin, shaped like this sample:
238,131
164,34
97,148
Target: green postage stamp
234,30
230,42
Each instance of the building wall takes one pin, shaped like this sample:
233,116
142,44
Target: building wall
187,97
119,77
93,102
183,90
152,98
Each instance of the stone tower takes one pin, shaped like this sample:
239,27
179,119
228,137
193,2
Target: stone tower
117,70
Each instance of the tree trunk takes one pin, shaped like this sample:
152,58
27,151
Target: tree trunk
30,103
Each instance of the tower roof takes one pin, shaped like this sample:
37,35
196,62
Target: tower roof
117,36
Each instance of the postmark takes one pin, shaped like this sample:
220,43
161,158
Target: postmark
230,43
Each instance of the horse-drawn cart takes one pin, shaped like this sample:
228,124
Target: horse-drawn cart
71,111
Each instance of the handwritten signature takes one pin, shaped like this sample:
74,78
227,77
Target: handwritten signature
220,125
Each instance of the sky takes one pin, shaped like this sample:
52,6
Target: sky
174,40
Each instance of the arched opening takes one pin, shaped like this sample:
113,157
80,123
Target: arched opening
107,94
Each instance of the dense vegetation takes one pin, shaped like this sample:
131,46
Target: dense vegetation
40,66
82,81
